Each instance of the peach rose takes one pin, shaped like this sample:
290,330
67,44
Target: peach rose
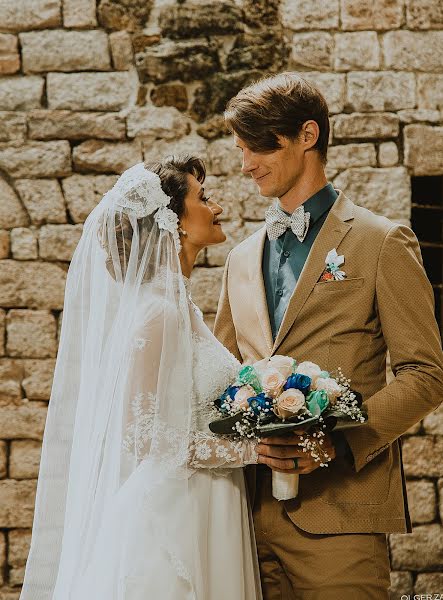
289,403
242,396
330,386
272,381
311,370
284,364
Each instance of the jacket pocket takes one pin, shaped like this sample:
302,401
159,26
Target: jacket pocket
342,285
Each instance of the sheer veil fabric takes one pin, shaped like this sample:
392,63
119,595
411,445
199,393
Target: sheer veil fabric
115,514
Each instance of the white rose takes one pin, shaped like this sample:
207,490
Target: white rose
272,382
330,386
283,364
242,396
289,403
311,370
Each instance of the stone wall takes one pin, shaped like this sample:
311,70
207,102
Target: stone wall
88,90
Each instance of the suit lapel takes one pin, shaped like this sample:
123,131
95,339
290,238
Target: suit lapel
330,235
258,290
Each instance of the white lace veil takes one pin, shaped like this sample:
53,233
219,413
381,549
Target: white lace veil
103,462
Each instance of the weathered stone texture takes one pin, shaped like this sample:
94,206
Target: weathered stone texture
31,333
2,557
12,213
430,91
3,463
24,459
238,196
43,200
361,125
36,159
427,53
419,115
21,93
84,192
440,495
170,94
106,157
60,50
79,13
351,155
378,15
332,86
22,15
64,124
388,154
206,286
24,244
401,584
223,158
433,423
356,51
422,456
121,50
192,143
372,91
424,149
37,378
19,542
11,375
23,421
422,501
2,331
124,14
310,14
9,55
384,191
428,583
16,503
31,285
312,50
149,121
4,244
421,550
58,242
424,14
194,19
12,126
89,91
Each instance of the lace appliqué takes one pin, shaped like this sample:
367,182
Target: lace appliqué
220,451
139,191
139,431
167,219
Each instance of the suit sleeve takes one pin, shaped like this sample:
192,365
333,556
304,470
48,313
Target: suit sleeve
224,328
405,305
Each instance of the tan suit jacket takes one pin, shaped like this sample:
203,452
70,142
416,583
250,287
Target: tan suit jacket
385,303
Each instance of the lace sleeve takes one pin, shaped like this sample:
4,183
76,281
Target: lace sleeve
209,451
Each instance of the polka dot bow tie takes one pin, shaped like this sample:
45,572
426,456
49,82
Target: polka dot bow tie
277,222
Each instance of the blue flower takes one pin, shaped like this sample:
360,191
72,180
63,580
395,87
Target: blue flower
232,390
259,403
298,382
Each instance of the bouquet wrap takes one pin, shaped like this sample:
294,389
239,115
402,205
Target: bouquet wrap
284,485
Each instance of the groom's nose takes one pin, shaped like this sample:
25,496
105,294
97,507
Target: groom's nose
249,161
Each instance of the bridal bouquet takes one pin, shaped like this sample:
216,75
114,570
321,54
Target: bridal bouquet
276,396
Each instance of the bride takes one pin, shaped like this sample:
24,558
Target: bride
136,499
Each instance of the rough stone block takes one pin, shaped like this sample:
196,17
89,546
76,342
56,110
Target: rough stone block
58,242
64,124
84,192
232,193
428,583
379,14
430,91
332,86
195,19
185,61
121,50
3,462
433,423
422,456
106,157
427,54
120,14
11,375
24,244
21,93
419,115
312,51
422,501
24,459
31,333
90,91
25,421
12,213
37,379
22,15
9,593
370,91
388,154
43,200
149,121
440,496
16,576
36,159
2,557
17,500
12,126
223,158
424,149
4,244
384,191
424,14
19,543
401,584
31,285
79,13
351,155
371,126
255,50
206,286
421,550
153,149
9,55
235,233
60,50
2,331
356,51
170,94
309,14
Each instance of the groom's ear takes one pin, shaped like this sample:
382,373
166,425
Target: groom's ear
309,134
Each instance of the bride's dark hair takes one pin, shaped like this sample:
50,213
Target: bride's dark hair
173,172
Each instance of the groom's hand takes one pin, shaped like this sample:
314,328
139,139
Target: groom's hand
279,454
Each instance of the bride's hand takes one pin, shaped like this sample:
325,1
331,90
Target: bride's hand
279,454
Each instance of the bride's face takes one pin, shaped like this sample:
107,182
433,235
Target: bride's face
200,220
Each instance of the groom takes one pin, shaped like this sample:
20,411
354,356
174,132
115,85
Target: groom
329,543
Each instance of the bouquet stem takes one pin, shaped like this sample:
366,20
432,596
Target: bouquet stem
284,485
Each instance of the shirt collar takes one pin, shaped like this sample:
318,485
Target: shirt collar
319,203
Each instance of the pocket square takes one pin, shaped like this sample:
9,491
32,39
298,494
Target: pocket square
332,270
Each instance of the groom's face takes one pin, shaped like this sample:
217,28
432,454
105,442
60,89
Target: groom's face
277,171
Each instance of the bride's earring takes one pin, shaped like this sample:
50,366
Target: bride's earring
182,231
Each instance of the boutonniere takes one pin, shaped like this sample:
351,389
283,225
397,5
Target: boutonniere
332,270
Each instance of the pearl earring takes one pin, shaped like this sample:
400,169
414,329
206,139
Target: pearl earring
182,231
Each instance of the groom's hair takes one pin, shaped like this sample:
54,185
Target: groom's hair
277,105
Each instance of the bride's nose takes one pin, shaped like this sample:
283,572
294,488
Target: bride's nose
216,209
